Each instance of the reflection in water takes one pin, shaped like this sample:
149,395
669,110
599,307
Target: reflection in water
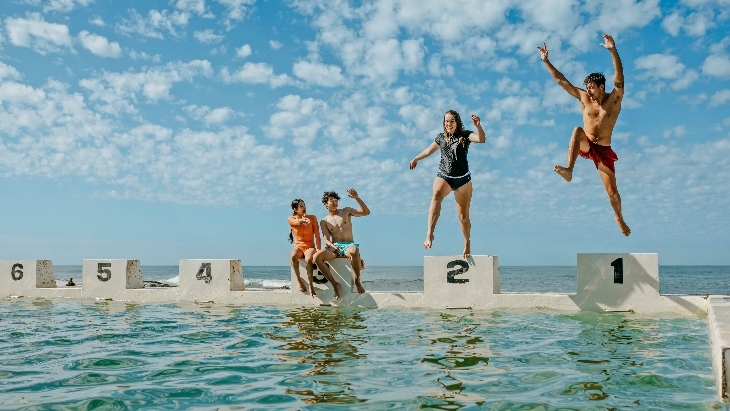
327,342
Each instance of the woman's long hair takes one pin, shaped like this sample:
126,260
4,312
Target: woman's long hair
294,205
459,127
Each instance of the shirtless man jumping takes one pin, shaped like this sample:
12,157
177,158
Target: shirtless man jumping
337,232
600,112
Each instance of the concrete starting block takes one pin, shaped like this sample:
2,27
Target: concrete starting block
619,282
455,282
107,279
22,277
210,280
341,270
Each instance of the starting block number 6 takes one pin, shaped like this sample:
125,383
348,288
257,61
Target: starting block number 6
17,272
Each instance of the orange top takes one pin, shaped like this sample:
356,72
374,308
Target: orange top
304,234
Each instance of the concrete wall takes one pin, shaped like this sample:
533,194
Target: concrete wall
606,282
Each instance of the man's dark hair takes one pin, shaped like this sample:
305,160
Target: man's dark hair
598,78
326,196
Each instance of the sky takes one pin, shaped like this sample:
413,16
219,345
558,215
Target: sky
164,130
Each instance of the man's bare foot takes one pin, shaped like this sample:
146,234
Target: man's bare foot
336,286
467,250
622,225
428,242
360,288
566,173
302,284
313,291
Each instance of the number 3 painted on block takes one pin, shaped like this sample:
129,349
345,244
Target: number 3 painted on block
450,276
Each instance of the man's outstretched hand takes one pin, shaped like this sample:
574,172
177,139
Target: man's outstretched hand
609,43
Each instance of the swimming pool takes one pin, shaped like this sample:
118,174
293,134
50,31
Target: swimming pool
85,355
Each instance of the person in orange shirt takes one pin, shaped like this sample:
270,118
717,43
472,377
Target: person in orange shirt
304,234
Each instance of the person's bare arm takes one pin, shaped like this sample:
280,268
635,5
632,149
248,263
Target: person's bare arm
317,238
425,153
326,235
479,136
618,68
295,221
363,210
557,75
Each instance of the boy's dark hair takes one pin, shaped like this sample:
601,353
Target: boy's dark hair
327,195
598,78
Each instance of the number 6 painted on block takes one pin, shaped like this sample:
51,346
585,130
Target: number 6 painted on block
102,269
17,272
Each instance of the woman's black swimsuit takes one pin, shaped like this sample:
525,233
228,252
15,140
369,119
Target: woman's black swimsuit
454,167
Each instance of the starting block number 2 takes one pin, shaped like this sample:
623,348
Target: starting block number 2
451,275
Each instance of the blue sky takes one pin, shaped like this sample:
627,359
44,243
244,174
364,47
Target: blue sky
161,130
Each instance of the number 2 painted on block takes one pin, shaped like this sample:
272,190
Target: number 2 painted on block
204,268
451,275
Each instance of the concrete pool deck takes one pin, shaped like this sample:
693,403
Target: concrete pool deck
625,282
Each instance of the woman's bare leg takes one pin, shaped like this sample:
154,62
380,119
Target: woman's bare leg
309,259
440,190
296,255
463,203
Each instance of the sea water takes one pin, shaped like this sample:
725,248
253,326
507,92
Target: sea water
59,354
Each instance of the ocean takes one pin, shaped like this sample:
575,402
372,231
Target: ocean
82,355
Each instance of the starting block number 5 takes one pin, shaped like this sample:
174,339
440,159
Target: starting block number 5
105,274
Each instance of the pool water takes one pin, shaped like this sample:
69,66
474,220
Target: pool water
113,355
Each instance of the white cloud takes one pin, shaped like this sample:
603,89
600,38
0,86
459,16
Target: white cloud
720,98
97,21
717,66
255,73
8,72
99,45
243,51
117,91
318,74
661,66
236,10
154,23
193,6
64,6
209,116
677,131
275,44
207,36
36,33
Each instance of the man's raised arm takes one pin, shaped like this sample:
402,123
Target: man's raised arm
558,76
363,210
618,68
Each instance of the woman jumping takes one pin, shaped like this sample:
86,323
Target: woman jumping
453,174
305,230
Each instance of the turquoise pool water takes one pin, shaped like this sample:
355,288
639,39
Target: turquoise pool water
113,355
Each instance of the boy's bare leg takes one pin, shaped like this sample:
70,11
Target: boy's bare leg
354,254
578,140
321,259
609,183
440,190
295,256
309,258
463,203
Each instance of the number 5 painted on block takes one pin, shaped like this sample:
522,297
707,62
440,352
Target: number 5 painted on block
104,272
